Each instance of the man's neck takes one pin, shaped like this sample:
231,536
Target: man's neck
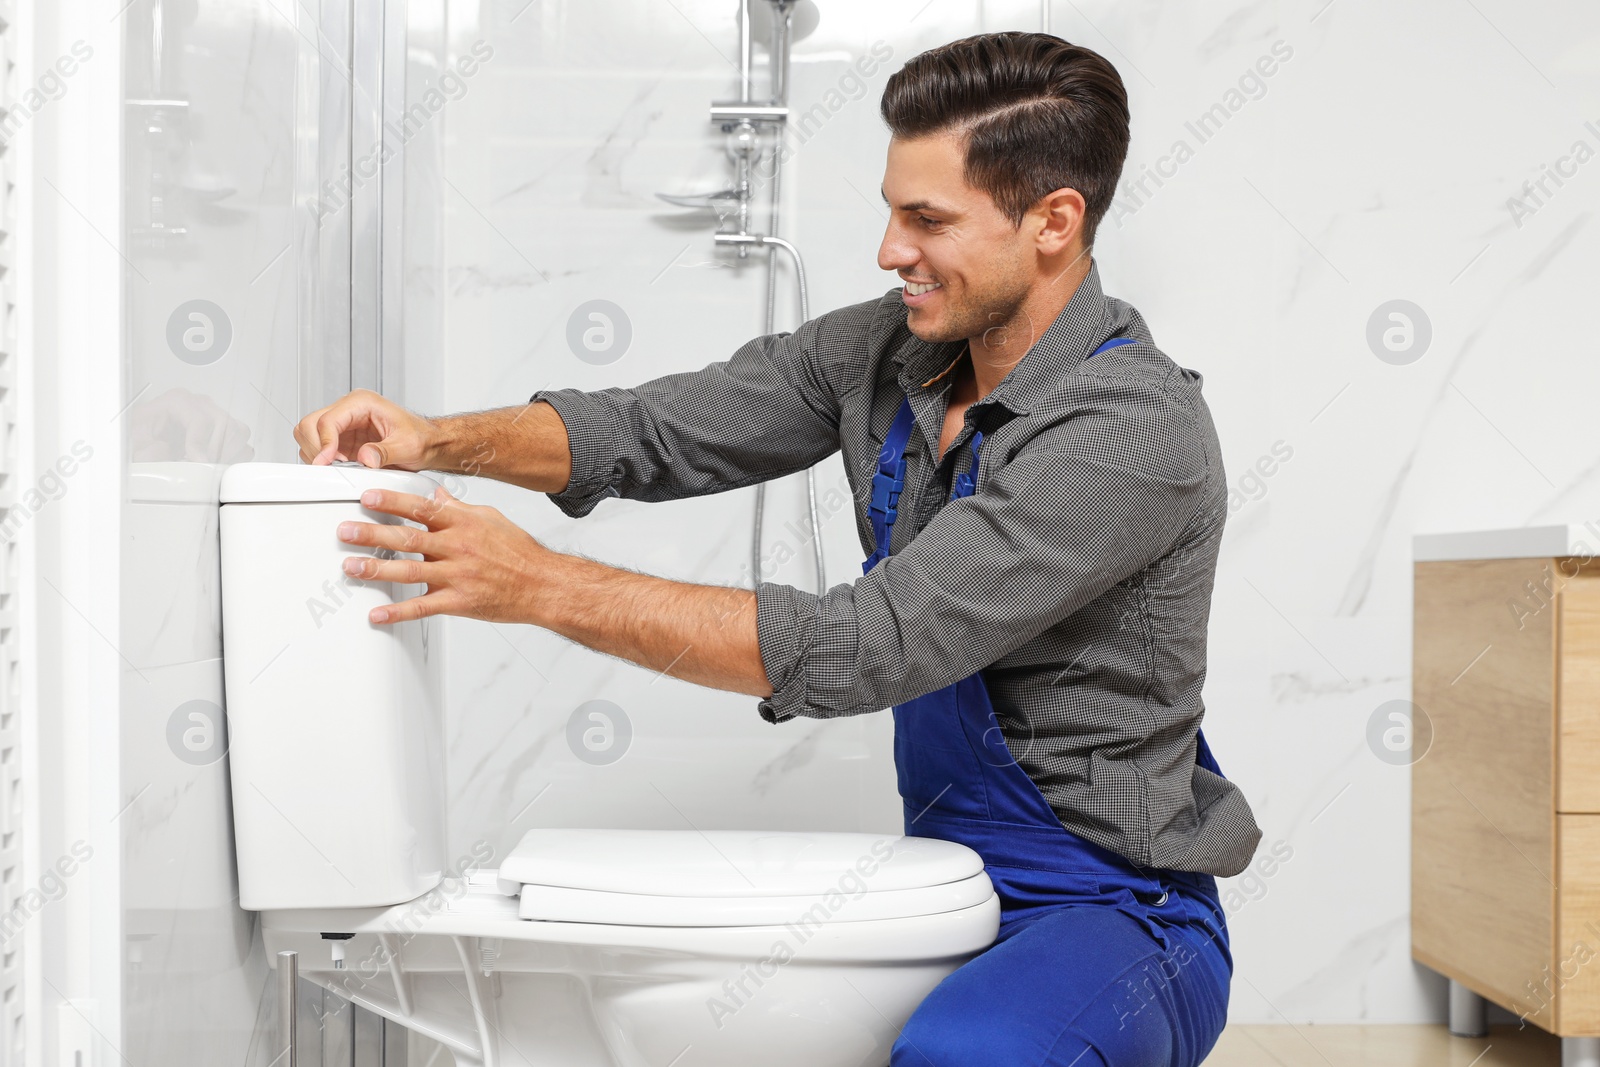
997,350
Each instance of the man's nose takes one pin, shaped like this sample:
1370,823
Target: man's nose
896,253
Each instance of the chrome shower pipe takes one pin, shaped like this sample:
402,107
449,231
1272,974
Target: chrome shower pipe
746,70
780,47
769,323
761,239
776,243
748,240
746,51
780,98
781,28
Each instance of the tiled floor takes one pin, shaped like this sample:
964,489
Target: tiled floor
1382,1046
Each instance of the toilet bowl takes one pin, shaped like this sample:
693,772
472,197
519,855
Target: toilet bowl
664,947
602,947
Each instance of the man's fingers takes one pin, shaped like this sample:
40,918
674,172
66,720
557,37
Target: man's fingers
435,570
305,434
321,432
419,607
381,535
367,428
333,422
436,512
404,571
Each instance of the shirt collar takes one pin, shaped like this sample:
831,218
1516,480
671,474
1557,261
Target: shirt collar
1080,327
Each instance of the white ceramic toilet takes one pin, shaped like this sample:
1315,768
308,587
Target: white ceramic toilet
591,948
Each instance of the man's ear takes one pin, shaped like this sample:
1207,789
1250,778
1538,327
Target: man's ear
1059,218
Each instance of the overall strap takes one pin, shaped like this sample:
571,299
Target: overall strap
890,479
967,480
1115,342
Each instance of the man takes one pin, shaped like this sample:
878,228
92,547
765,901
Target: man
1041,494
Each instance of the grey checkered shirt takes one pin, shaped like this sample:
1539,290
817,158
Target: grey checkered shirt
1077,578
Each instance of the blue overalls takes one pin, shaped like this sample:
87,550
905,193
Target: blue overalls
1098,963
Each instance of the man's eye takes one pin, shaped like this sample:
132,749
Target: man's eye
926,221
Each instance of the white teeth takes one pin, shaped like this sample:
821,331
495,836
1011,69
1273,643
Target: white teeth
917,290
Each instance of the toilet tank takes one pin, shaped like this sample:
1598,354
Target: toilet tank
335,737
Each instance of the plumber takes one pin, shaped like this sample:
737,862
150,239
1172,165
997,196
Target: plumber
1041,495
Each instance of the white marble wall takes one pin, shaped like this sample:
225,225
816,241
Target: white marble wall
1374,163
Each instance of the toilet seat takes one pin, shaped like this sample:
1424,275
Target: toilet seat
557,904
733,878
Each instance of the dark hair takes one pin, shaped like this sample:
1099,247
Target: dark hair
1037,114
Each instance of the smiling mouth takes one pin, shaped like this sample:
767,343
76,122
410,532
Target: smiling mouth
918,288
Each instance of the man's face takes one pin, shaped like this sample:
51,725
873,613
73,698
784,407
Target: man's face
943,232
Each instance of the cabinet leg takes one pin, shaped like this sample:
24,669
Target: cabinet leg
1469,1014
1580,1052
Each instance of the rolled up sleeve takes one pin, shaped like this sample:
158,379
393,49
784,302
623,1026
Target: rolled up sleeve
593,443
767,411
1048,533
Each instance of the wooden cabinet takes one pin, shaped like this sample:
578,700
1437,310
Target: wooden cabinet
1505,799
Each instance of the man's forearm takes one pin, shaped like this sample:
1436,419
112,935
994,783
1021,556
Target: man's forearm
701,634
525,445
698,633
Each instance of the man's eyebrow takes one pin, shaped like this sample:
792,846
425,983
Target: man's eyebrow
915,205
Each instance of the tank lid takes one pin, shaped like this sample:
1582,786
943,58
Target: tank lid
264,483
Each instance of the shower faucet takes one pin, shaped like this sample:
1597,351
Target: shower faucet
744,121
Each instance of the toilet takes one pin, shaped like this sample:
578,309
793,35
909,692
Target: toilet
584,947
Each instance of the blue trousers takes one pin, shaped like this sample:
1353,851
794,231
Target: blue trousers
1076,986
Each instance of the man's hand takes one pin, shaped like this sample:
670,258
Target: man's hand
369,429
475,562
525,445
